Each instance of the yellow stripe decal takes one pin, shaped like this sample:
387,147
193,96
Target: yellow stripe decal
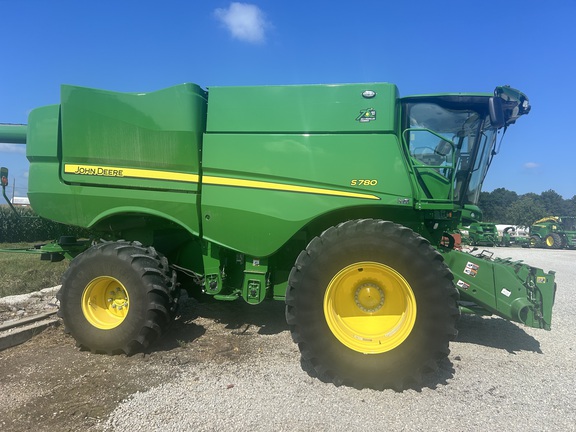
222,181
104,171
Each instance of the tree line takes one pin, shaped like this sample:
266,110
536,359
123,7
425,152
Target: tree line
28,227
502,206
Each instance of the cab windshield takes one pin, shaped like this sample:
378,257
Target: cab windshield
450,147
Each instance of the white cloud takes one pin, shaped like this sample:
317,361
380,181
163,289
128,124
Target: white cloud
244,21
12,148
531,165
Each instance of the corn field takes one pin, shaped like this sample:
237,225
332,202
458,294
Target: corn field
29,227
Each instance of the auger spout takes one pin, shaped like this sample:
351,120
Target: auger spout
13,133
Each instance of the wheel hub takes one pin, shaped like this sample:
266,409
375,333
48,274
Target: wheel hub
105,302
369,297
370,307
118,299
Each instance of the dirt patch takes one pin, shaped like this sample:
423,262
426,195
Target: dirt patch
49,384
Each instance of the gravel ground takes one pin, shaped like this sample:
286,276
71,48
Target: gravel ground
499,375
21,306
233,367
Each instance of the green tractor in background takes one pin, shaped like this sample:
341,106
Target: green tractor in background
483,234
554,232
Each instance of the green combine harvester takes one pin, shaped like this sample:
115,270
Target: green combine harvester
338,199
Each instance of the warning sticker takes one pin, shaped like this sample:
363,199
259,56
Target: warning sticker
471,269
505,292
463,285
540,279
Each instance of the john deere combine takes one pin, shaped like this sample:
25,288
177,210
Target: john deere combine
336,199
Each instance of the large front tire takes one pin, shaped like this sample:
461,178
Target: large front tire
117,297
371,304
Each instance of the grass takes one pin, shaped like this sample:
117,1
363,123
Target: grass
24,273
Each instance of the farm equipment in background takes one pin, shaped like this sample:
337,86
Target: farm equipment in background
514,236
4,184
554,232
333,198
482,234
508,236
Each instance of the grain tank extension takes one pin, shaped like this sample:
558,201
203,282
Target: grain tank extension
338,199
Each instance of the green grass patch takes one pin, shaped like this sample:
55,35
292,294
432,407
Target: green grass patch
23,273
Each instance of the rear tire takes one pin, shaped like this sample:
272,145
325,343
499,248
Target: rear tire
118,297
371,304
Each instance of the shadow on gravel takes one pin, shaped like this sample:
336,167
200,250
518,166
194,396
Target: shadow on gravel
444,373
495,333
266,318
237,316
429,380
178,334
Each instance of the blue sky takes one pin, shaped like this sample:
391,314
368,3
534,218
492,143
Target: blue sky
422,46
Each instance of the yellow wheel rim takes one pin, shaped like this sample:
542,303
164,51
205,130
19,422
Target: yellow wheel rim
370,307
550,241
105,302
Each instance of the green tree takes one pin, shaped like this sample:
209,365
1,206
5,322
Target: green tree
553,203
494,204
525,211
570,206
29,227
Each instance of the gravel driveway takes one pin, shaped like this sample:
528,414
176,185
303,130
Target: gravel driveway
499,375
233,367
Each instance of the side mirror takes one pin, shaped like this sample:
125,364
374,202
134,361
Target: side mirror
496,112
4,176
